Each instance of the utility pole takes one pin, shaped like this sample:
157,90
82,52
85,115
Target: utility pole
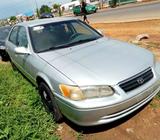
37,10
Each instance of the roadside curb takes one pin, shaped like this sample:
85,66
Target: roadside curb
125,21
136,4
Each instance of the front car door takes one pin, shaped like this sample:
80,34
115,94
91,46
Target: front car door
22,41
18,38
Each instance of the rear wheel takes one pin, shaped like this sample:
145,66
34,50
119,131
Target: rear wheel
49,101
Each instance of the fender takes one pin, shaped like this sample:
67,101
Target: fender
46,80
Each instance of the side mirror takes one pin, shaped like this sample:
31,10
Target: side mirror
22,51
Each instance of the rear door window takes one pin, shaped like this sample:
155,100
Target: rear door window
13,35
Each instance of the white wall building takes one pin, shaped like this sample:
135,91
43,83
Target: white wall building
69,6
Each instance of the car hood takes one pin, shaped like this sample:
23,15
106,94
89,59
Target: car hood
101,62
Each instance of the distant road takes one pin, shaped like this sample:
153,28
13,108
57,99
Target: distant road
131,12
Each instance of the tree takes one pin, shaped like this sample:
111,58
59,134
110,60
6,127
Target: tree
45,9
56,6
37,11
13,18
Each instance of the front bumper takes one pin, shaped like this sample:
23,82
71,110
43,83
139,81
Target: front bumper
108,109
107,114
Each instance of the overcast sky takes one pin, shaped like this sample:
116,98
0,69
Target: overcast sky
14,7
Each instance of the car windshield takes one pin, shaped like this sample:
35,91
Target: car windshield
60,35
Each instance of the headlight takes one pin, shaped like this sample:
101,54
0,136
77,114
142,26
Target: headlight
97,91
86,92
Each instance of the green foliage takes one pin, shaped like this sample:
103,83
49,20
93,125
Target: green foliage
56,6
79,136
22,116
37,11
59,11
45,9
13,18
158,95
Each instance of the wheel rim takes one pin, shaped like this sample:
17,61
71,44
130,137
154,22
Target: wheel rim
47,101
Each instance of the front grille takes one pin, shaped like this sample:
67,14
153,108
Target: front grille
137,80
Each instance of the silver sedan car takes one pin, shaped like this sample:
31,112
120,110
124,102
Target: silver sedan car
80,74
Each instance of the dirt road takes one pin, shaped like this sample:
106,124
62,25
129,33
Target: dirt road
144,124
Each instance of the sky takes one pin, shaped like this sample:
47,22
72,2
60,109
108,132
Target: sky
14,7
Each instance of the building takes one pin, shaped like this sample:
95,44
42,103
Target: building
69,6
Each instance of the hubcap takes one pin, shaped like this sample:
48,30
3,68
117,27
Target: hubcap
48,101
45,95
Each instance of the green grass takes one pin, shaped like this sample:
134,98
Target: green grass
22,116
79,135
158,95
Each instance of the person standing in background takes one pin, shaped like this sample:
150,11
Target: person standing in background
84,11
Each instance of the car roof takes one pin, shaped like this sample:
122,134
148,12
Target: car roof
44,21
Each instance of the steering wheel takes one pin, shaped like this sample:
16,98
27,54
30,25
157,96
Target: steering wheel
74,35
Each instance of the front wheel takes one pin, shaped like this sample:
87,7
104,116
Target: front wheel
49,101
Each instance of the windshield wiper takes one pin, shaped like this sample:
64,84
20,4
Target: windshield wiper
84,40
69,44
56,48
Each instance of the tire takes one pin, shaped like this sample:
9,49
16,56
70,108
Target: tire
49,101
